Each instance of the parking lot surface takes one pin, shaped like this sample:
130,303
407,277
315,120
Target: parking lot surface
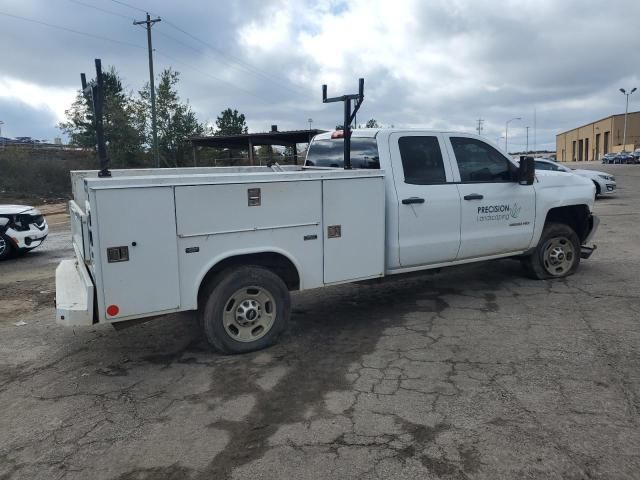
471,373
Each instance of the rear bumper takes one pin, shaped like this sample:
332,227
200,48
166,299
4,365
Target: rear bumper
74,294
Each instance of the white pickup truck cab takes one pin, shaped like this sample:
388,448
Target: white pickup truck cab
232,242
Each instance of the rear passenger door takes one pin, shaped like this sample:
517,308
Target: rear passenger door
498,214
428,202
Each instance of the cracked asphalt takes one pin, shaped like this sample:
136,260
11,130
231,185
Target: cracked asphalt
471,373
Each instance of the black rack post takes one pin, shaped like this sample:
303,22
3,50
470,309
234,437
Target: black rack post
94,92
348,116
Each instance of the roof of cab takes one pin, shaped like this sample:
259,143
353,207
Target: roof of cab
372,132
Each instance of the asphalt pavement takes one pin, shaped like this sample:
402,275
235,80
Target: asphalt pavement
471,373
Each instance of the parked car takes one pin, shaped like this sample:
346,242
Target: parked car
636,155
22,228
604,182
624,158
608,158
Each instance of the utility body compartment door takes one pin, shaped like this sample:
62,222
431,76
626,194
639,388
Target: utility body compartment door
353,217
136,230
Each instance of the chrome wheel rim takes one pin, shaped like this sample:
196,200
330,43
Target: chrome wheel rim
249,314
3,246
558,256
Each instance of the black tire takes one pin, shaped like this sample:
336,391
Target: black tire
598,191
557,254
6,247
229,317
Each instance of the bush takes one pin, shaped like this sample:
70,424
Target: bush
41,172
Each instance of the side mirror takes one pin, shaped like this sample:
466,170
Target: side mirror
527,171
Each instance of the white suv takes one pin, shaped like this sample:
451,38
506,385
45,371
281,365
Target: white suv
604,182
22,228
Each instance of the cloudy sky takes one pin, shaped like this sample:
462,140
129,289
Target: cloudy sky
426,63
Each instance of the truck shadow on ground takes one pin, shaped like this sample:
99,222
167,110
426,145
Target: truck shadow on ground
329,331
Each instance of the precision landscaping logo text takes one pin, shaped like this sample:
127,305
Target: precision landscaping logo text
490,213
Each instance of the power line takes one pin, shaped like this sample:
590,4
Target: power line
230,59
203,72
88,5
124,4
70,30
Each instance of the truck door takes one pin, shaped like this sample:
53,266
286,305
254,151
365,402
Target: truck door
428,202
498,214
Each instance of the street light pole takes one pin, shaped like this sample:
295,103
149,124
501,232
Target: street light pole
506,134
310,120
626,112
1,123
527,139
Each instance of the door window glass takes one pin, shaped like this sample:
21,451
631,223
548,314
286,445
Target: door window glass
545,166
480,162
421,160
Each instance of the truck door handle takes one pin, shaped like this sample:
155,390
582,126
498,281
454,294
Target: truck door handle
409,201
474,196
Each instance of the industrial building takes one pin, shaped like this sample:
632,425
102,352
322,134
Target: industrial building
592,141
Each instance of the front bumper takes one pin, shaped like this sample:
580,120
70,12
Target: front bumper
585,250
74,294
28,239
607,188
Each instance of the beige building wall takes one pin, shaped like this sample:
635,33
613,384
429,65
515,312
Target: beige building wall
592,141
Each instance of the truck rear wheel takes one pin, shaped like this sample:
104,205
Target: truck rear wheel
557,254
246,310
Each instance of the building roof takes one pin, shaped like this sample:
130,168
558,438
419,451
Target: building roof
263,138
595,121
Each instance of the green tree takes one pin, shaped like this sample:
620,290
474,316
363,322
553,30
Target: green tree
372,123
176,121
230,122
124,140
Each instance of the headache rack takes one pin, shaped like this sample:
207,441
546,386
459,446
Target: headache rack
349,115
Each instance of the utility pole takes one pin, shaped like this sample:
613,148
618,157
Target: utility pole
149,23
527,139
310,120
479,127
1,123
506,133
535,130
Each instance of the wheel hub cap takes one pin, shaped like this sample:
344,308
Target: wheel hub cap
249,314
558,256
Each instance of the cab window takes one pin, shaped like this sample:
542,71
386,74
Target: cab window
329,152
545,166
480,162
421,160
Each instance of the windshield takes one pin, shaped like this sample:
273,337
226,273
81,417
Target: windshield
330,153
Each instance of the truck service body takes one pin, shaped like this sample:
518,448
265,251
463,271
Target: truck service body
232,241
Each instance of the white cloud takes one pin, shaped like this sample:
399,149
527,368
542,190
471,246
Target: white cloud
52,99
436,63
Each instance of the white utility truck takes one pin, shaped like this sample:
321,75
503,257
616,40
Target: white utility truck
232,242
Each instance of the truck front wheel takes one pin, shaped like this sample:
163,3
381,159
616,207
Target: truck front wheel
557,254
5,247
246,310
